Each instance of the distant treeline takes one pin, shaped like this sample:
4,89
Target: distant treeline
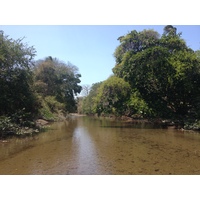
154,77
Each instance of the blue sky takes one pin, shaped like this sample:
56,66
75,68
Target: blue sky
89,47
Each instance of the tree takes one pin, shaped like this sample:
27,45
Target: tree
135,42
88,103
16,62
169,30
46,78
197,54
86,90
56,78
137,107
112,96
165,72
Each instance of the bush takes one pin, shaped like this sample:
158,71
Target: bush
50,108
192,125
7,127
53,104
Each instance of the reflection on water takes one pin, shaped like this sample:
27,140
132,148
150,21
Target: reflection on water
84,145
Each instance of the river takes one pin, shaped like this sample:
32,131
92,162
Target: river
91,146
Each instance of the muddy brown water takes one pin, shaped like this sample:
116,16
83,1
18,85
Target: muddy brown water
84,145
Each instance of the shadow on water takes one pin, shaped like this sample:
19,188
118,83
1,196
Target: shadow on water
105,123
132,126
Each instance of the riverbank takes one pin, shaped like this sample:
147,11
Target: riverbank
77,115
8,128
183,125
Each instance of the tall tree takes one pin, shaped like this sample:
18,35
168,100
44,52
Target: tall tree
16,62
56,78
165,72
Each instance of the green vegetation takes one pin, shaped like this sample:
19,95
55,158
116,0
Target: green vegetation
154,77
112,96
87,105
57,84
33,89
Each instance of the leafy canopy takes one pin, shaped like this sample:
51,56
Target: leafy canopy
163,69
112,96
16,62
56,78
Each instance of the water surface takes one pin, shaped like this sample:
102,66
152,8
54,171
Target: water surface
84,145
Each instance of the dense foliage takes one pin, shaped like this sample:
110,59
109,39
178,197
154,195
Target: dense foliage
87,104
30,89
155,76
164,71
112,96
57,79
163,75
15,65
